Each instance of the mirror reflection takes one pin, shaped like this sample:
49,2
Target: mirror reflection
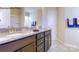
20,17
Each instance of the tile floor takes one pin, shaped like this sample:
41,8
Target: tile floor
59,47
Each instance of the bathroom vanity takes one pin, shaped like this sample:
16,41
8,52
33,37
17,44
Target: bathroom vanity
27,42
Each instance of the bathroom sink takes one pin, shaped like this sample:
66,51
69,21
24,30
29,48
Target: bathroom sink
15,34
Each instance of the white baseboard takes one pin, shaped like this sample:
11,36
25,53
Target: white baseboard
69,45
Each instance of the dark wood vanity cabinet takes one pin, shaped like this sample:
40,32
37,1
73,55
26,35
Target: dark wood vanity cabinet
43,41
19,45
47,40
31,47
28,48
40,42
40,48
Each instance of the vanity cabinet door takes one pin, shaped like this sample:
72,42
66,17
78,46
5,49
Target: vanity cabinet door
40,48
47,41
29,48
40,42
46,44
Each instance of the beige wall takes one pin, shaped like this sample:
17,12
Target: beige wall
44,17
39,17
60,24
49,20
22,17
70,36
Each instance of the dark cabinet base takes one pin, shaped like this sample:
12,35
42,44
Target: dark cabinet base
40,42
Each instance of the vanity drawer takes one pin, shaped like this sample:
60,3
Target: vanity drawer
40,48
29,48
40,35
40,41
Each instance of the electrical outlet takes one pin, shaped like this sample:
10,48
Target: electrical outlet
0,19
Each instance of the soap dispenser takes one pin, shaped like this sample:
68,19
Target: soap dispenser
34,26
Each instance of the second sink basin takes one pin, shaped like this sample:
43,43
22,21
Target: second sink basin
15,34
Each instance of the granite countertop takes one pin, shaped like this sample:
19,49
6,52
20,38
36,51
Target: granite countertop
17,35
